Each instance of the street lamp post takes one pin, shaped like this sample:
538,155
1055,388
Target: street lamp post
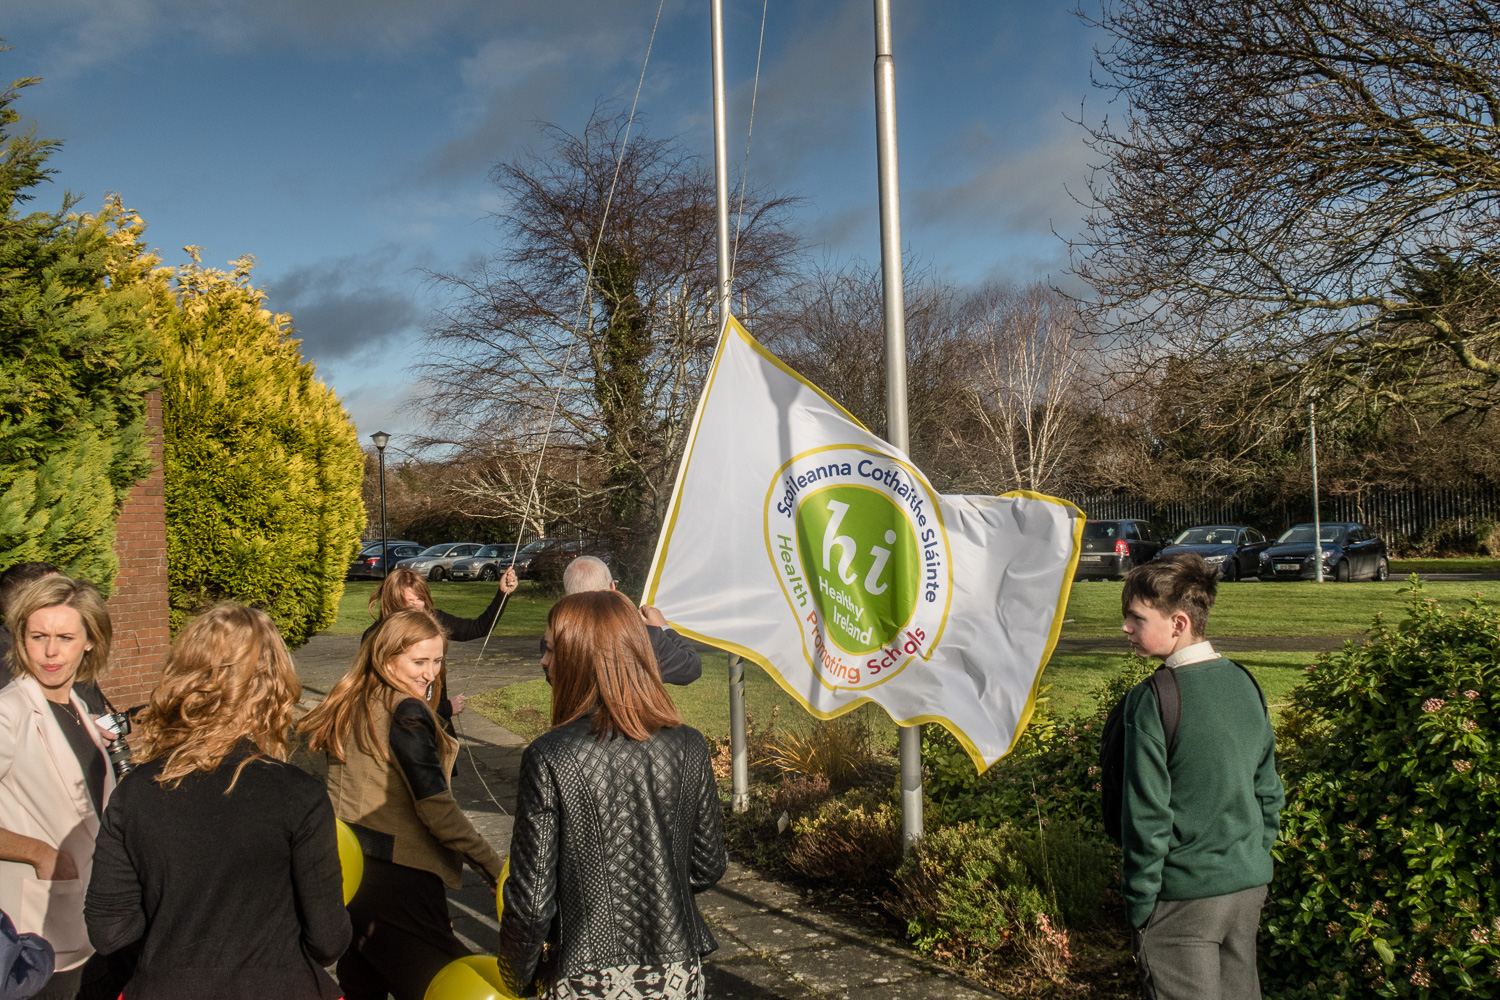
381,439
1312,427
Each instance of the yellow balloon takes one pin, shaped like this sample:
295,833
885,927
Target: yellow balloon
500,890
473,977
351,860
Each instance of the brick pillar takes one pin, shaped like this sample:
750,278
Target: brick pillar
138,606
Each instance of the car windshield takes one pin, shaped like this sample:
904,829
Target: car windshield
437,550
1102,529
532,548
1207,536
491,551
1302,534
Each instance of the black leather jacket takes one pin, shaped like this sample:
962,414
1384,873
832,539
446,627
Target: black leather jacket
611,841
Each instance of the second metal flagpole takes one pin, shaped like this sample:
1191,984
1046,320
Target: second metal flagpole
738,751
895,350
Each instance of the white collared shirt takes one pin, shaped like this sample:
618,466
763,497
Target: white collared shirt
1196,653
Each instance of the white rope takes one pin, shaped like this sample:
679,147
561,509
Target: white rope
585,304
464,740
739,215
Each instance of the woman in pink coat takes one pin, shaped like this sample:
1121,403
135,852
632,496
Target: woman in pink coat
55,776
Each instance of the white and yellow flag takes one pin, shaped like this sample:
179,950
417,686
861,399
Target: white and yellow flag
801,541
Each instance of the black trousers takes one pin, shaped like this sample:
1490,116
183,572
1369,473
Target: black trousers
403,935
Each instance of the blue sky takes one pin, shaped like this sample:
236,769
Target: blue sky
346,143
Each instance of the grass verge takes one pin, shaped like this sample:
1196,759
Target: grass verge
526,709
1466,564
525,612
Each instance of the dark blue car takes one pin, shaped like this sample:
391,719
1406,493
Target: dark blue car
1350,552
1233,549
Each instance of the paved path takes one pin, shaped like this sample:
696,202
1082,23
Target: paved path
771,945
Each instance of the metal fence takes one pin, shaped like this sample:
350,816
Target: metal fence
1402,517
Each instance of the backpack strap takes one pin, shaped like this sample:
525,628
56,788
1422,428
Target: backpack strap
1168,704
1258,691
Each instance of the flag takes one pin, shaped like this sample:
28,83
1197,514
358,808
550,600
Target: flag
801,541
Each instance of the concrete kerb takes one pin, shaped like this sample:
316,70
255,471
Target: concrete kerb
770,945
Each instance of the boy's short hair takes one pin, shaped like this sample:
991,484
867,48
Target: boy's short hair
1173,583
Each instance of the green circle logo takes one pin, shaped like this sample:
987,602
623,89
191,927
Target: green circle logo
859,553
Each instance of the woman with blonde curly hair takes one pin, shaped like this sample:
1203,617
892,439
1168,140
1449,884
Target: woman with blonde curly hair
217,855
54,773
389,768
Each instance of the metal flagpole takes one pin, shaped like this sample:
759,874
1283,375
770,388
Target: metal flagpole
895,350
739,752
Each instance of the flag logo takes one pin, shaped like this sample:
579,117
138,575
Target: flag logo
857,542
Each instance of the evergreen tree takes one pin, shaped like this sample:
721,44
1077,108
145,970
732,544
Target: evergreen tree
76,364
263,466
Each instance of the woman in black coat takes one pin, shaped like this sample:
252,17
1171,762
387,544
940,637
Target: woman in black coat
216,854
617,825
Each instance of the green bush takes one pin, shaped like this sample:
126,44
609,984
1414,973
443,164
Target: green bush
75,366
854,838
1386,882
966,895
263,466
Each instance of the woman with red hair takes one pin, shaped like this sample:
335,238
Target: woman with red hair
617,823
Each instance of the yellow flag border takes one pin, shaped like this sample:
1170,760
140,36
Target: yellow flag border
653,579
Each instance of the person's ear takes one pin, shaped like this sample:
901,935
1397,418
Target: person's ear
1182,624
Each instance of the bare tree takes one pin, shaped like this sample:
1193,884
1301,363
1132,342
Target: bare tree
1024,393
1306,189
591,326
831,328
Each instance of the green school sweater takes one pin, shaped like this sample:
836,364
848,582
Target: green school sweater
1204,825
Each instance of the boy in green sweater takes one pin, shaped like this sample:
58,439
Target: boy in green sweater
1197,826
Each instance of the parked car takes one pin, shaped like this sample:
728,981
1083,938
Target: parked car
1111,548
368,566
1233,548
528,554
433,562
1350,552
548,564
486,564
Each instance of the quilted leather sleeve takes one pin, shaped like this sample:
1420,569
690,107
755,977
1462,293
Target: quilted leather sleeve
710,858
530,892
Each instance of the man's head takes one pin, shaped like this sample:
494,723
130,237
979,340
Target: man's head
1166,603
587,573
15,578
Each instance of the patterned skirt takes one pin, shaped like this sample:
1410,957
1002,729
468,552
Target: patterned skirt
674,981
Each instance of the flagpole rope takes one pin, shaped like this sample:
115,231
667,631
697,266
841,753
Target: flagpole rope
584,305
739,215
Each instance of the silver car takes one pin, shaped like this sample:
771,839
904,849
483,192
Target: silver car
433,562
486,564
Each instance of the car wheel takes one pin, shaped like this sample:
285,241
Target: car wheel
1341,571
1231,570
488,573
435,574
1382,569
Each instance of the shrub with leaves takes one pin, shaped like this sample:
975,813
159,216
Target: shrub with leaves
263,466
850,839
838,751
76,366
1386,871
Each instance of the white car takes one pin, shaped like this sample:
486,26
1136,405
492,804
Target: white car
433,562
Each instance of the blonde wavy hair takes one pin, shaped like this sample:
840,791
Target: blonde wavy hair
81,596
346,713
228,678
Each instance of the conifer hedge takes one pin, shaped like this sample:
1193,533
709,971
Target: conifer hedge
76,363
263,465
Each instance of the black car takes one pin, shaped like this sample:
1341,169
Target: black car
1111,548
367,565
1350,552
1231,548
486,564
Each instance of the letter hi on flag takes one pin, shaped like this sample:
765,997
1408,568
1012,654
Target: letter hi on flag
801,541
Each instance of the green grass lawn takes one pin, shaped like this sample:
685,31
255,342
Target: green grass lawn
525,709
1253,608
525,612
1467,564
